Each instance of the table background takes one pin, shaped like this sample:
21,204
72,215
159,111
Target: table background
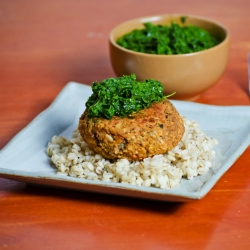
44,45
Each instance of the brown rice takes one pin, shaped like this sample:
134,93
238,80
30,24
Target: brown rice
192,156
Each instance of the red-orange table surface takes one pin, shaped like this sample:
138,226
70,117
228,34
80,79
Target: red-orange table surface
44,45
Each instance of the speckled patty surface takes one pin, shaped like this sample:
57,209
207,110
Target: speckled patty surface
148,132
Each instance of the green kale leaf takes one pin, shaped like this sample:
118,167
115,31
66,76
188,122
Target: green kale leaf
122,96
168,39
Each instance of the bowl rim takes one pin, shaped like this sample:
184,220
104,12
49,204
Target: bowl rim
159,16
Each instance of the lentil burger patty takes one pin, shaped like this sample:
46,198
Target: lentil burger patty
145,133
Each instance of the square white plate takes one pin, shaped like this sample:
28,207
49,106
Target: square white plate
24,158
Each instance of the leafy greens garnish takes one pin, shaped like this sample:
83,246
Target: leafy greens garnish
122,96
168,39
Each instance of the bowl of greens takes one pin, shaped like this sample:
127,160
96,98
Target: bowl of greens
187,54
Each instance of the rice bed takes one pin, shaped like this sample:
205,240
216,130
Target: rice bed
192,156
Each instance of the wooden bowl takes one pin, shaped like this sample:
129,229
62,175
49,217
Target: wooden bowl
186,74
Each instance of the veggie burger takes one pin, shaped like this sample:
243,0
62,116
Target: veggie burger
125,118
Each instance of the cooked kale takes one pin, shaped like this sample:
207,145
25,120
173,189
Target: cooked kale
122,96
168,39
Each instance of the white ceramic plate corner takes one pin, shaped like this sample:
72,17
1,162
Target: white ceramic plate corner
24,157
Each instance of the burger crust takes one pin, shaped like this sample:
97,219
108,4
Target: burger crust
143,134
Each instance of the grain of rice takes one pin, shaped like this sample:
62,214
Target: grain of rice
192,156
